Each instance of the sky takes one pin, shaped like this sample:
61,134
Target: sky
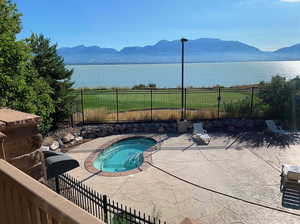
266,24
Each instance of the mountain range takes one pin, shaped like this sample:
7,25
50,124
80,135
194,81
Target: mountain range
199,50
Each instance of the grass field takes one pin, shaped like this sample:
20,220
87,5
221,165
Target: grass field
135,104
161,99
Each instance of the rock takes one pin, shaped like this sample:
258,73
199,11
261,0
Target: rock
36,141
79,139
122,128
91,135
231,128
45,148
110,130
74,142
54,146
47,141
102,130
68,138
76,132
161,130
182,126
61,144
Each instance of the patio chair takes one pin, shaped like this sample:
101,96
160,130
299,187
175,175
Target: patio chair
200,134
274,128
289,175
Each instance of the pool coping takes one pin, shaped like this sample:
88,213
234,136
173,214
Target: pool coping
88,163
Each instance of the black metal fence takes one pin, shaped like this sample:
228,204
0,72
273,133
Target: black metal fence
100,105
101,206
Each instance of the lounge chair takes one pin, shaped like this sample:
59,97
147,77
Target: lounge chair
289,175
274,128
200,134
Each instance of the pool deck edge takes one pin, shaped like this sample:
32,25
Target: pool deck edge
88,163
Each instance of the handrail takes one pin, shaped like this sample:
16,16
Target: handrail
25,200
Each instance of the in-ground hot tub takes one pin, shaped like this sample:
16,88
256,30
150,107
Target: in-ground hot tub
121,157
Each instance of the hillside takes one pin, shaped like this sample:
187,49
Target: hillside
199,50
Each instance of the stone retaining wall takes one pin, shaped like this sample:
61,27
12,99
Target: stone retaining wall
101,130
223,125
74,136
234,125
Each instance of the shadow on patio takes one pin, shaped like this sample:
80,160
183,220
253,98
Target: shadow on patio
261,138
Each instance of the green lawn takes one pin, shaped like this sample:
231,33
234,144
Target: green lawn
161,99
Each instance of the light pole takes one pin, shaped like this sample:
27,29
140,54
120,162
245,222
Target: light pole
182,76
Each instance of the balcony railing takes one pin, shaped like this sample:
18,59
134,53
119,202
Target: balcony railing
25,200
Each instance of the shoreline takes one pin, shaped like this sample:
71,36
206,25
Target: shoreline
166,63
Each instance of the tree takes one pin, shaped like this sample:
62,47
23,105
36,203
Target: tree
51,67
275,94
143,86
294,102
152,85
281,98
20,86
139,86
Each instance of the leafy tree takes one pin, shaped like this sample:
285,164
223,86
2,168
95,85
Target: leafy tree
294,102
20,86
51,67
139,86
281,98
152,85
239,108
275,94
143,86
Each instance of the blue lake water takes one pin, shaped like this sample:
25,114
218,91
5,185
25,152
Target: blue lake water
169,75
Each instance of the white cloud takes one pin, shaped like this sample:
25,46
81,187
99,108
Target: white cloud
290,0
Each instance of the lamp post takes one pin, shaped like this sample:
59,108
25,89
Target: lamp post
182,76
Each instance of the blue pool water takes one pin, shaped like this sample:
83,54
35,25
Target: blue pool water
124,155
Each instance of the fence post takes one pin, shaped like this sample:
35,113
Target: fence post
185,103
72,114
219,100
105,209
252,98
117,101
57,189
72,120
151,103
82,106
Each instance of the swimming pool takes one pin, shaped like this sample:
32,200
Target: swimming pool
123,155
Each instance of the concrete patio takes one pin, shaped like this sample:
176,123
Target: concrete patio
244,171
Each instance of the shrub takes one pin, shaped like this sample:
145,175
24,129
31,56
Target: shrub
140,86
135,115
122,218
166,115
143,86
98,114
202,114
241,108
281,99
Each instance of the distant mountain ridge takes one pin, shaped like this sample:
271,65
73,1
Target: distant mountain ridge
199,50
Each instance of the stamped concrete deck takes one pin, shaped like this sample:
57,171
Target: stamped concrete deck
243,171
